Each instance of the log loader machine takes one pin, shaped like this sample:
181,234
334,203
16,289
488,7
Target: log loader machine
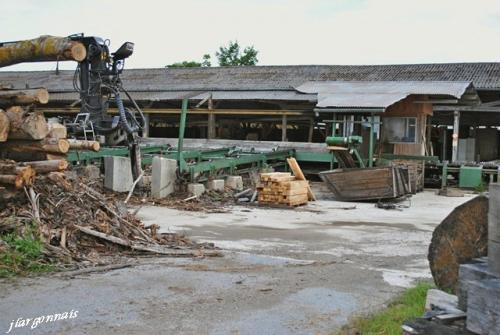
96,79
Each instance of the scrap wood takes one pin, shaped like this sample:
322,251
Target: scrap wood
83,225
158,249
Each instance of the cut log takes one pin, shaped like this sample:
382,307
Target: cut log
27,173
297,172
48,145
15,180
30,156
48,165
57,130
459,238
41,49
4,126
24,97
26,126
84,145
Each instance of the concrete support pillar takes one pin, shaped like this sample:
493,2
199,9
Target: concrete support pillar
118,173
454,144
163,177
284,125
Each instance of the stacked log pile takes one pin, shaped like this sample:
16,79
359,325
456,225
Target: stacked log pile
26,136
282,188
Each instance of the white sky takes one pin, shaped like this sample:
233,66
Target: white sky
284,31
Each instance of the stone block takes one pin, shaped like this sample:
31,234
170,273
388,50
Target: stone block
483,307
163,177
117,173
216,185
494,228
235,183
468,273
196,189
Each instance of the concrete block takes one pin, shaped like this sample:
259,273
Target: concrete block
117,173
196,189
235,183
216,185
163,177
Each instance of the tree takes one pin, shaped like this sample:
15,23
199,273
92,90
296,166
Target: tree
204,63
233,56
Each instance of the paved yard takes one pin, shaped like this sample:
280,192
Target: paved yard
303,271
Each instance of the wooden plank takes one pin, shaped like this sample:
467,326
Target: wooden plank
297,172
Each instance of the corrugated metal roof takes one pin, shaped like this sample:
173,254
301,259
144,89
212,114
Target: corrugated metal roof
379,94
451,88
343,100
268,78
197,95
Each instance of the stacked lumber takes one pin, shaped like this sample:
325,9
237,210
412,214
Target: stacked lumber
282,188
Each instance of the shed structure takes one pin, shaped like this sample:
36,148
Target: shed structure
410,109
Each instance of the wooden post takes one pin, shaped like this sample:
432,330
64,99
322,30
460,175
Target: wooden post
311,130
283,128
145,130
445,143
456,125
371,141
211,132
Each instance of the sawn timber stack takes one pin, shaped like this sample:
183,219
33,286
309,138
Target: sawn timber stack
282,188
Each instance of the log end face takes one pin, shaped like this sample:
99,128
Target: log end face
78,51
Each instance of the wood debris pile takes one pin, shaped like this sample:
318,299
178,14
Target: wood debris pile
78,223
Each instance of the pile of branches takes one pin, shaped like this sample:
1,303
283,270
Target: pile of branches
78,223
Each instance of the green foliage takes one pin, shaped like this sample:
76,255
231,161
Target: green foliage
204,63
481,188
408,305
232,55
21,254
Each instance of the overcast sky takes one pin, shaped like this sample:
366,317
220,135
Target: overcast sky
284,31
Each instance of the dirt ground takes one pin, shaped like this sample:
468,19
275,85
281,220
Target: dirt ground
302,271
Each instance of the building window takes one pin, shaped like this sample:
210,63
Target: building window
400,129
